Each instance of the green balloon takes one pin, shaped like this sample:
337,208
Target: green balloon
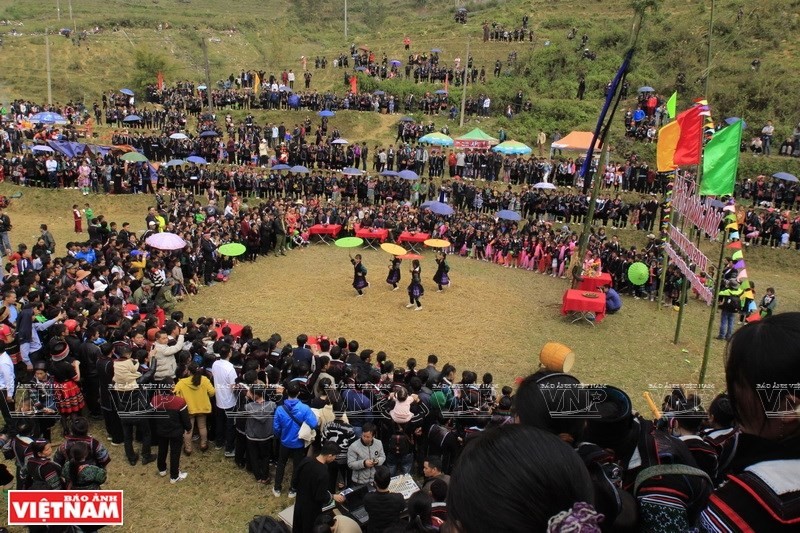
638,273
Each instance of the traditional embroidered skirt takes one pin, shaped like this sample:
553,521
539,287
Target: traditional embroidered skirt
69,398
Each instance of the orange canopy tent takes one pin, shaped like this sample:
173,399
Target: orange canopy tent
578,141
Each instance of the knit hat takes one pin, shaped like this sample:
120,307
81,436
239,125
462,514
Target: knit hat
59,350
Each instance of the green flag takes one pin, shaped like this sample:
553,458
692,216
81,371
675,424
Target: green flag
721,161
671,104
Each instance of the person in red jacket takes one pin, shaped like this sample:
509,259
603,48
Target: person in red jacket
172,421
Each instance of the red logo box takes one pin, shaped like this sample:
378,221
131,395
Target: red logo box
65,507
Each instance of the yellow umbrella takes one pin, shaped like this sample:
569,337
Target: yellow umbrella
393,249
437,243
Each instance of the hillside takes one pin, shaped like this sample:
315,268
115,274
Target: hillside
274,36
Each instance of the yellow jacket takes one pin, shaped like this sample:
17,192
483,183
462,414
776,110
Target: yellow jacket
198,398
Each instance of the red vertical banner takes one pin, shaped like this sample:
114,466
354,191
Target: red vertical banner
160,80
353,85
690,142
447,82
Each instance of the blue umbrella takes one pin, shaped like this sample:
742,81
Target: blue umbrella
429,202
299,169
785,176
197,160
361,69
734,120
646,89
378,93
326,113
407,119
132,118
440,208
441,91
436,50
201,87
283,88
408,175
638,115
46,117
507,214
388,173
126,91
42,148
349,171
294,101
281,166
209,133
174,163
395,62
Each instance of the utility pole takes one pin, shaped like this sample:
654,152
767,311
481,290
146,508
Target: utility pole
464,90
71,19
49,76
708,55
345,20
58,9
204,45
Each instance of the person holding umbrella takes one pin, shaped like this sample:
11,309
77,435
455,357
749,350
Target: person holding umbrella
415,289
359,275
441,277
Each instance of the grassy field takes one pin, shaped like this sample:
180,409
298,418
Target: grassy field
492,319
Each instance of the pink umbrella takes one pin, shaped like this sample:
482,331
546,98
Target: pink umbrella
166,241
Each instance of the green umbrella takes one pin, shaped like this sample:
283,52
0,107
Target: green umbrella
232,249
349,242
134,157
638,273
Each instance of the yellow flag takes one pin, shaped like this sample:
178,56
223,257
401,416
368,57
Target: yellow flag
667,142
732,226
257,83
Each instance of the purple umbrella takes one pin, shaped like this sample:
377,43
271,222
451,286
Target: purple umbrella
209,133
165,241
440,208
408,175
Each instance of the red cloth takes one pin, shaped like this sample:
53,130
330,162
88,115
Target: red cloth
690,142
160,314
575,301
320,229
373,233
592,283
416,237
236,329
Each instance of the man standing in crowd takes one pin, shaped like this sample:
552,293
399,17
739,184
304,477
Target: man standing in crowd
364,455
311,481
288,421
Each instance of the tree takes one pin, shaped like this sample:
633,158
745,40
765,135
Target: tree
146,66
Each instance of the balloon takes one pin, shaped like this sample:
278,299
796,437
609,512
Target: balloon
638,273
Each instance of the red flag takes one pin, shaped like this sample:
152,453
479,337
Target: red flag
690,142
353,85
160,80
446,82
735,245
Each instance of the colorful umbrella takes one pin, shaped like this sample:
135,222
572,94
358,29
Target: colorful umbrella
507,214
638,273
393,249
437,139
441,208
134,157
408,175
349,242
512,147
46,117
409,256
232,249
197,160
785,176
395,62
299,169
126,91
165,241
437,243
326,113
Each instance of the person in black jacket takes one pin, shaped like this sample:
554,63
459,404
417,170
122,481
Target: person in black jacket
208,249
382,506
172,421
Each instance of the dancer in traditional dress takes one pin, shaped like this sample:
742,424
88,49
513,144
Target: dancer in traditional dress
359,275
394,273
415,289
441,278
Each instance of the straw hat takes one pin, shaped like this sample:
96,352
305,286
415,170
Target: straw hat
82,274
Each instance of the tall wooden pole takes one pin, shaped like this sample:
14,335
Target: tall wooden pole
49,73
204,45
464,90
